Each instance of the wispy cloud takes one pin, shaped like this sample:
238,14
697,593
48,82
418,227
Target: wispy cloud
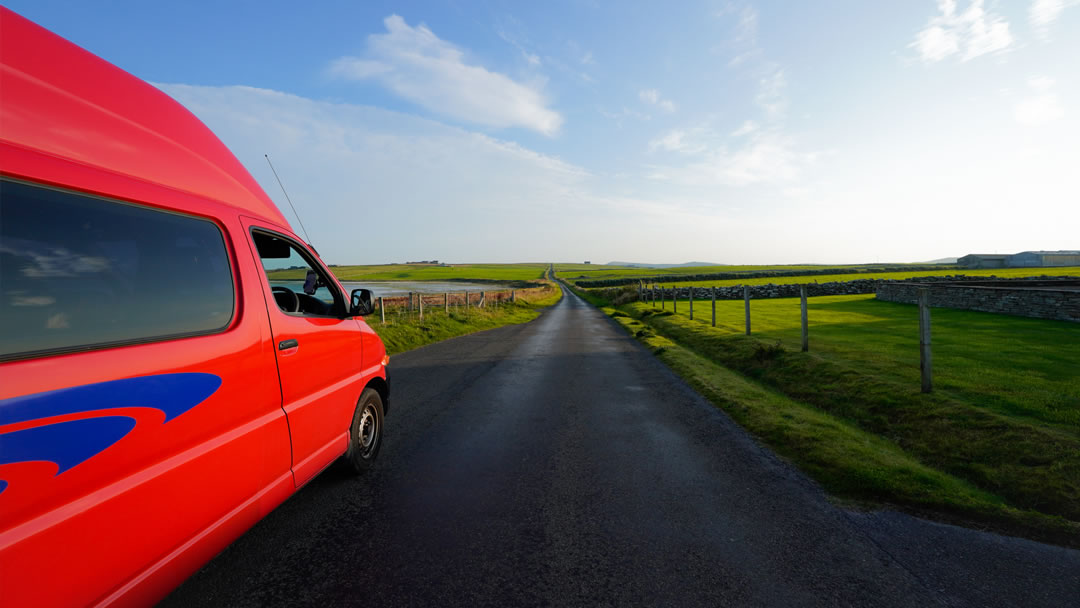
1043,13
759,150
417,65
746,128
771,95
971,33
677,140
531,58
653,97
766,158
1041,107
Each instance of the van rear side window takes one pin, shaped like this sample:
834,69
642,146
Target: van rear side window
79,272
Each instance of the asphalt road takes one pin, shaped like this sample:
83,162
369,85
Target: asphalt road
558,463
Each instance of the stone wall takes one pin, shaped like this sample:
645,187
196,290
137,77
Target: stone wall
1058,300
770,290
585,282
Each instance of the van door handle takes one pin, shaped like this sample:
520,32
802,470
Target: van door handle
287,344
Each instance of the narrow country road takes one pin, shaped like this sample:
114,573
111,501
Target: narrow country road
558,463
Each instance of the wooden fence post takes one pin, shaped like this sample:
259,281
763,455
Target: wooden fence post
466,302
714,307
446,302
925,362
409,307
420,303
691,302
513,295
653,290
675,299
746,297
382,311
805,325
483,300
661,298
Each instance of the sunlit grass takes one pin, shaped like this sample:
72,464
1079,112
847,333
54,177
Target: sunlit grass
1014,365
1005,273
597,272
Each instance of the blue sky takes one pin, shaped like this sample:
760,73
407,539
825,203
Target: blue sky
722,131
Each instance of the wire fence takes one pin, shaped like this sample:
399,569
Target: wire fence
416,305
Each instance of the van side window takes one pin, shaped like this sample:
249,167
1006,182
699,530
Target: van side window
300,286
79,272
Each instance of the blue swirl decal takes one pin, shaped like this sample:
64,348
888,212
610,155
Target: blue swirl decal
73,442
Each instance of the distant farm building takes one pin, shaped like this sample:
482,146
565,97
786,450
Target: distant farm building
983,260
1026,259
1029,259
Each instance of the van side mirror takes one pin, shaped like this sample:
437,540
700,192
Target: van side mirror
361,303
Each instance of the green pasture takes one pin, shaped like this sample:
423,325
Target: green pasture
430,272
1004,273
595,272
1016,366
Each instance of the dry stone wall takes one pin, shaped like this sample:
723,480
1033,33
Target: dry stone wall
770,290
1040,299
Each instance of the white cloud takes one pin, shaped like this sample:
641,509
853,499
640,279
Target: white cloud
1043,13
417,65
746,128
762,158
1039,109
653,97
972,33
771,95
587,59
676,140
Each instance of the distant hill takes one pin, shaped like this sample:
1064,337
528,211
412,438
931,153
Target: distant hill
641,265
940,261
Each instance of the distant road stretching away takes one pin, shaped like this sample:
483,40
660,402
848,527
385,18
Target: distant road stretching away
558,463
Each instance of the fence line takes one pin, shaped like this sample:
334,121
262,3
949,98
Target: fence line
417,305
645,294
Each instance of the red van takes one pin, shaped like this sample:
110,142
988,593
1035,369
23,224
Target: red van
159,394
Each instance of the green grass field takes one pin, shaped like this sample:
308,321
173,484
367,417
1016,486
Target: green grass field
597,272
1005,273
997,443
1022,367
430,272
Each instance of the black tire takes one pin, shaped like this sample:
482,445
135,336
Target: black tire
365,432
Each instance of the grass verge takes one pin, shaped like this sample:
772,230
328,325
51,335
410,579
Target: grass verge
403,333
865,438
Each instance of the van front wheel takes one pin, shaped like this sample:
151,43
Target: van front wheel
365,432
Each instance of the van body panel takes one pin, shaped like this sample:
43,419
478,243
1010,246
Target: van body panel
321,377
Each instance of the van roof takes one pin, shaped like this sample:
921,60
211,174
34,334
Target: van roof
64,101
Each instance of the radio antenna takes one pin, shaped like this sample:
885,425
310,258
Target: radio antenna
267,156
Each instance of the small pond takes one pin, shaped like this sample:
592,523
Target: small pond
402,288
